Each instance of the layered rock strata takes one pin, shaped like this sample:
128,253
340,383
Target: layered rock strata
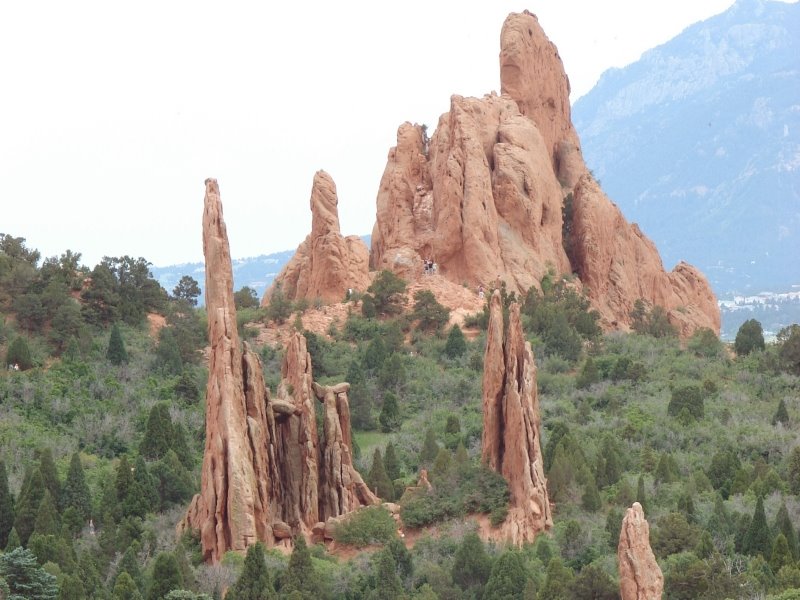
501,192
326,265
512,424
266,475
640,577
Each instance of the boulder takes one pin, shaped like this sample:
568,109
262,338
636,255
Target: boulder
640,577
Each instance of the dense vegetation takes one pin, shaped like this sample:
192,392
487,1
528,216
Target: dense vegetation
101,437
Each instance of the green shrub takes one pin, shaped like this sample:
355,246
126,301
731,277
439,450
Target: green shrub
370,525
689,398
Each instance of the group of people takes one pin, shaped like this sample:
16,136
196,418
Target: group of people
429,266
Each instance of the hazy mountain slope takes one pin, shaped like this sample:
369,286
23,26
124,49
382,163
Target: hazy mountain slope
699,142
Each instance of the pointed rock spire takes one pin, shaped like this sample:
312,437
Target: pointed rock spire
640,577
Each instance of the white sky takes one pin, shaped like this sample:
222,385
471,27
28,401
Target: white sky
113,114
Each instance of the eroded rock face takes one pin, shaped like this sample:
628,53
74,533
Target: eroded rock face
512,424
265,476
326,264
486,199
640,577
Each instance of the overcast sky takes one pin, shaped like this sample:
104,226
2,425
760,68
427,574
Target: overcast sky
113,114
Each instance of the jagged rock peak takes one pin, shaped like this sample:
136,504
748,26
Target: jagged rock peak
640,577
511,443
326,264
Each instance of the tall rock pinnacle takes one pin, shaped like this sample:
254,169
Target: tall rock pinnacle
326,264
640,576
511,425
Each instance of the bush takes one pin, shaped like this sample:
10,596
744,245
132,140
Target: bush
370,525
431,315
688,397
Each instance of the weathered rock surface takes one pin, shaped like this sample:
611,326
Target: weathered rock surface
640,577
326,264
486,198
511,443
265,476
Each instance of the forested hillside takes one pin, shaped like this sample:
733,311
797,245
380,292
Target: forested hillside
102,427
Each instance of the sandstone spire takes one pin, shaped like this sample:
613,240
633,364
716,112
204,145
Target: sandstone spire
326,264
511,425
640,577
501,192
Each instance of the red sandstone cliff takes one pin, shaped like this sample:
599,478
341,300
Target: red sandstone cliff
512,424
326,264
486,195
640,576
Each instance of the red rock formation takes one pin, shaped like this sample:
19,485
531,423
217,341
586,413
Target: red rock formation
326,264
511,425
484,198
640,577
264,476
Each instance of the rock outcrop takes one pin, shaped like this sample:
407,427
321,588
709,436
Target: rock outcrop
326,264
512,424
266,474
640,577
501,192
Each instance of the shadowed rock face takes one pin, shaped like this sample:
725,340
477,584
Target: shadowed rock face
326,264
266,476
640,577
486,198
511,425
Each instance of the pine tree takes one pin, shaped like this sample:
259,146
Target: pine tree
6,506
166,576
25,578
180,445
76,492
402,557
456,343
705,547
147,485
589,374
757,538
254,582
557,582
390,413
19,354
116,353
387,584
123,482
781,414
71,588
452,432
359,397
391,462
47,466
13,540
30,497
472,566
590,501
783,524
461,457
430,448
129,564
781,555
507,579
641,498
441,466
174,481
300,575
159,433
125,588
378,480
168,355
47,521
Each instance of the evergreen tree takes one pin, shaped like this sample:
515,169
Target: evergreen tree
123,484
390,413
472,566
781,415
19,354
116,353
125,588
7,506
159,433
431,315
640,493
781,555
388,290
720,521
614,526
392,373
25,579
609,463
590,501
783,524
13,540
300,575
30,497
705,547
147,484
129,564
254,582
71,588
76,492
47,521
589,374
593,584
378,480
391,462
749,338
186,388
456,343
507,579
441,466
47,467
387,584
168,355
430,449
72,522
174,481
452,432
402,557
188,290
757,538
180,444
557,582
359,397
461,457
166,576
